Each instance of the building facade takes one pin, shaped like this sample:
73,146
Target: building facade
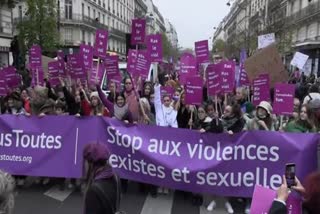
79,19
6,35
140,9
171,34
155,20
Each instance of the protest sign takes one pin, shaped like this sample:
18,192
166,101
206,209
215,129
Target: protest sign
117,80
283,99
132,60
112,66
60,57
228,77
262,199
86,51
76,66
267,60
142,64
261,90
194,90
138,31
166,90
266,40
154,47
214,79
101,43
96,75
35,57
202,51
37,77
53,73
217,164
3,84
12,78
299,60
188,67
244,79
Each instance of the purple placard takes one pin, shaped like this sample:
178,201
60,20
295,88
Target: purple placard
76,67
87,54
214,79
118,81
138,31
112,66
154,47
132,60
13,79
3,84
166,90
143,64
37,77
262,199
230,157
94,75
35,57
228,77
244,79
53,73
202,51
261,90
194,90
188,67
60,57
283,99
294,203
101,43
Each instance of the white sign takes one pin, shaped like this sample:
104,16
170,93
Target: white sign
299,60
266,40
307,68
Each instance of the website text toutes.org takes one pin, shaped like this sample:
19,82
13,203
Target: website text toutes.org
16,158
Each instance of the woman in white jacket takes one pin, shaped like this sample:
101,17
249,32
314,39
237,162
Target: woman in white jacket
166,115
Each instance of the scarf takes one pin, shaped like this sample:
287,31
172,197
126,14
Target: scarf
120,112
228,122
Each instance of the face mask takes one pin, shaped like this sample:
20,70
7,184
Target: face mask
175,98
262,116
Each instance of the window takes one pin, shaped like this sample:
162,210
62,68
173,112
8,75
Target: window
112,23
83,36
103,19
82,9
20,12
89,12
94,13
99,17
68,9
68,35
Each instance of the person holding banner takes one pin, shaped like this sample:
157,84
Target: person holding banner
131,98
205,124
232,119
304,124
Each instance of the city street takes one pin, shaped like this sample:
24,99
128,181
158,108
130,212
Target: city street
32,200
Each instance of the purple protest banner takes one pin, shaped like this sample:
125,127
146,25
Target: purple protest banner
96,75
35,57
243,79
112,66
283,99
3,84
261,90
214,79
202,51
154,47
87,54
13,79
217,164
166,90
143,64
194,90
138,31
76,66
188,67
228,77
53,73
60,57
37,77
262,199
132,61
101,43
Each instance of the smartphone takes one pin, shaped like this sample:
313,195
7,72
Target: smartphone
290,174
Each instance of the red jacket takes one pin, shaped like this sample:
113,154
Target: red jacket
87,109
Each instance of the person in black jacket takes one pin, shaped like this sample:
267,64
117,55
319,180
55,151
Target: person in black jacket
102,195
310,193
232,119
204,123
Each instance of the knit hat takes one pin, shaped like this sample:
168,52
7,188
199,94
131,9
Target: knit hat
94,94
314,104
266,106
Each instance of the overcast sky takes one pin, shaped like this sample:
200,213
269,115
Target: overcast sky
193,19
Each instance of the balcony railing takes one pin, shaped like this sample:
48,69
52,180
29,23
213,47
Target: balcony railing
311,10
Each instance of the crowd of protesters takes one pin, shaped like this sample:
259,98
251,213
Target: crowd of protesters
141,102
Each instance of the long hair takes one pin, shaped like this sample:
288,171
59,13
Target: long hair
312,195
309,124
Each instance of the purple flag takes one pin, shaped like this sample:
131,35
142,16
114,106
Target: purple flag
214,79
87,54
35,57
53,73
202,51
138,31
143,64
101,43
217,164
188,67
261,90
283,99
132,60
228,77
194,92
166,90
60,56
112,66
262,199
154,47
